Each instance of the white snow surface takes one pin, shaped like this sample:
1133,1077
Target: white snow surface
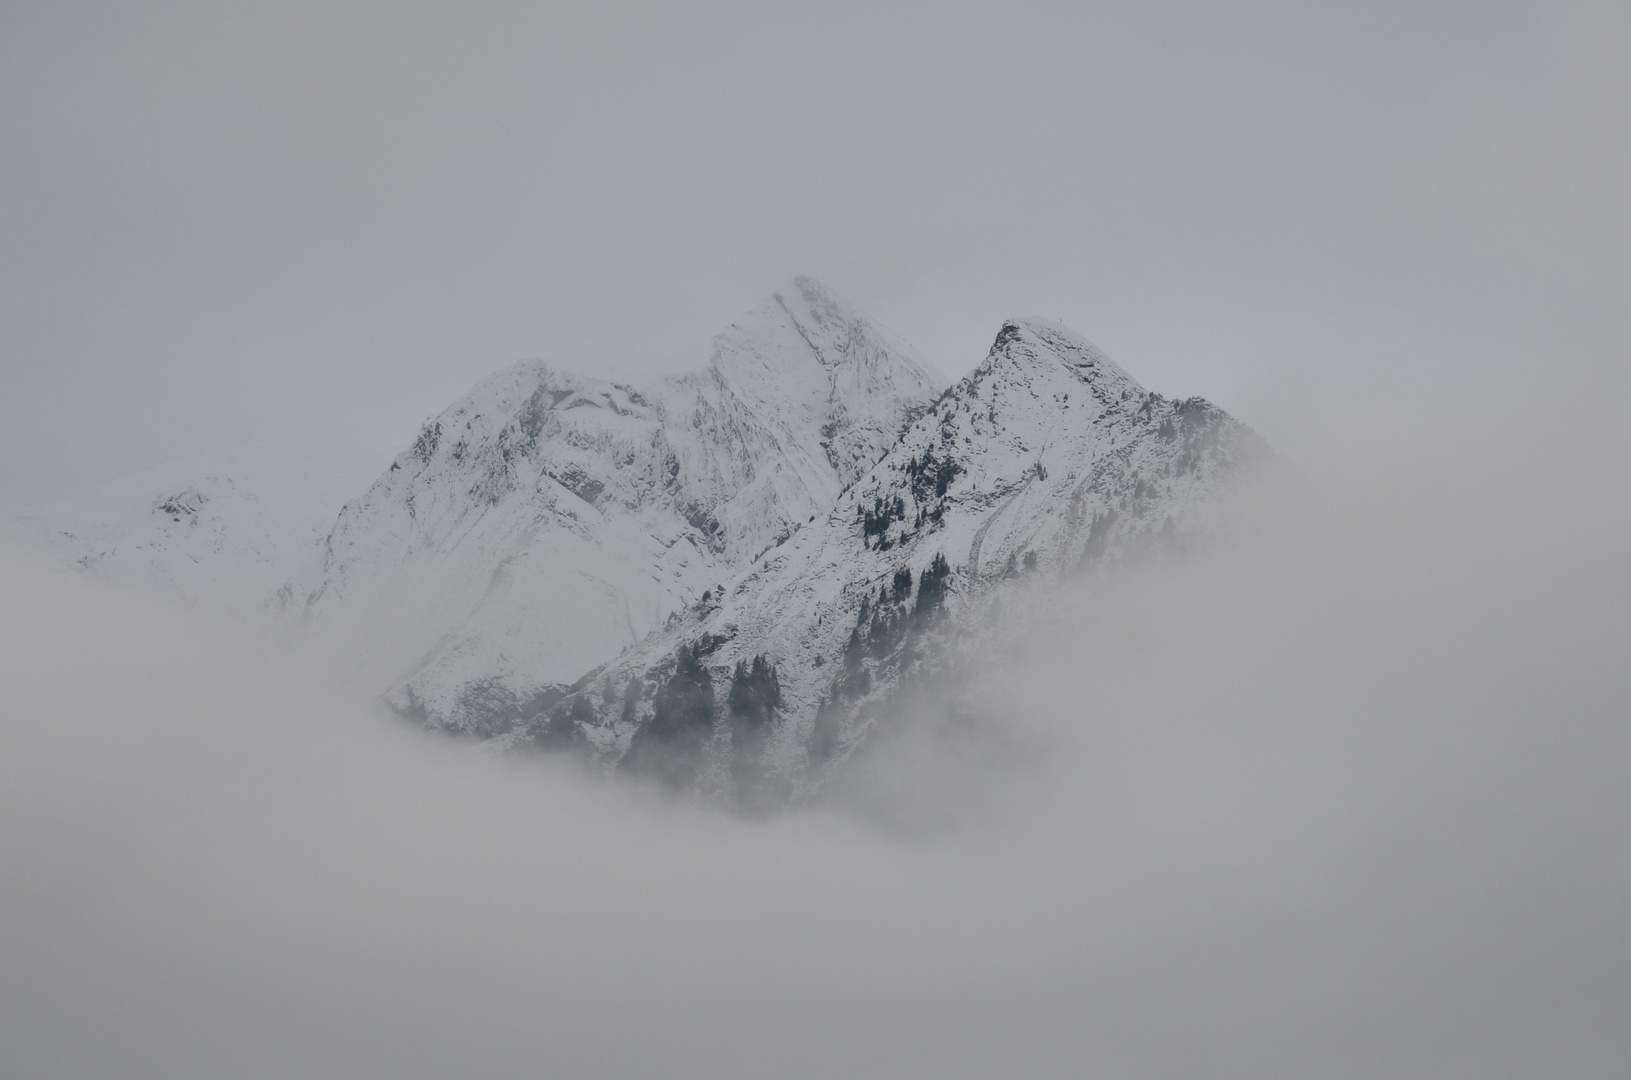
548,520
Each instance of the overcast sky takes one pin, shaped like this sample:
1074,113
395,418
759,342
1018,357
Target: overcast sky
222,222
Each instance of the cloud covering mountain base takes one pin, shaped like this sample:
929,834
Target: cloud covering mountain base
1347,801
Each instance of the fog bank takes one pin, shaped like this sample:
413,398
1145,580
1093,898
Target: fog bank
1347,800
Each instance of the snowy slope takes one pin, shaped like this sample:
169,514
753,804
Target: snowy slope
219,532
548,520
1046,458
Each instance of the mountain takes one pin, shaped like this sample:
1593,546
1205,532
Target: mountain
1047,459
547,521
221,533
755,563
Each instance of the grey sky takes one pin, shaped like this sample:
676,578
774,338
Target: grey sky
221,222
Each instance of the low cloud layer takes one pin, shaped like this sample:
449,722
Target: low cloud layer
1347,800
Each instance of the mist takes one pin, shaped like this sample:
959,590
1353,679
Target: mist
1345,798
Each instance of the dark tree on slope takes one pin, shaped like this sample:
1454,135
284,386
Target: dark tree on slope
931,591
563,730
670,747
486,707
890,646
754,697
932,476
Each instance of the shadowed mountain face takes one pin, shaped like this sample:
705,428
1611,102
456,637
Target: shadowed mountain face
1047,459
549,520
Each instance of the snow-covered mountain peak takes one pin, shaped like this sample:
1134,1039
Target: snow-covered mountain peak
834,334
818,372
548,519
1034,346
